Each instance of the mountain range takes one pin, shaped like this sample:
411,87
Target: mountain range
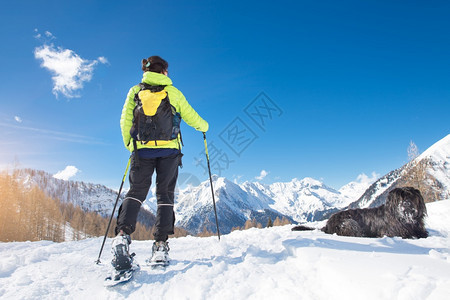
89,197
307,199
299,200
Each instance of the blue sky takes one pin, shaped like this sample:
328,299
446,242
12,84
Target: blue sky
322,89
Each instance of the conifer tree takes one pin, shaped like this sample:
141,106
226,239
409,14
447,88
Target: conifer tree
285,221
248,224
235,228
277,222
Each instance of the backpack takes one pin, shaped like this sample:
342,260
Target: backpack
155,120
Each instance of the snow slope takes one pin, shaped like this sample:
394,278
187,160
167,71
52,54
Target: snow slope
273,263
439,155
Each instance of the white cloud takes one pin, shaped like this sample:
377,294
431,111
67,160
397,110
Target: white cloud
38,35
49,35
69,70
18,119
261,176
67,173
363,178
46,36
237,178
103,60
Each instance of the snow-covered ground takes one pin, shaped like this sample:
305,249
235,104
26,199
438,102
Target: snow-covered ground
273,263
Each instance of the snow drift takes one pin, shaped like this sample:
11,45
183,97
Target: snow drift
273,263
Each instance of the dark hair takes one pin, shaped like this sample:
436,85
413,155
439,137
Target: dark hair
154,64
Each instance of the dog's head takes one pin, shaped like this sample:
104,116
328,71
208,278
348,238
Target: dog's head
406,204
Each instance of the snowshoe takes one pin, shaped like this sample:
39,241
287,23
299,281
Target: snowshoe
117,277
160,255
120,248
122,262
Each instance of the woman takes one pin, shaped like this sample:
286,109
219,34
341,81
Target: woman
148,157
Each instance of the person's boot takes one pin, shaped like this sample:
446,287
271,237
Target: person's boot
122,259
160,253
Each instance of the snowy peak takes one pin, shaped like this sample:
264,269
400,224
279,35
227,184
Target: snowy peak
305,182
355,189
194,206
439,152
429,172
220,183
296,184
300,200
436,161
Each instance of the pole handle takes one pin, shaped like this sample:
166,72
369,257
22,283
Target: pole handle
206,146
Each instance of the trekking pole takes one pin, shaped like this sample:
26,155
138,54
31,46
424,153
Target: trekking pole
211,183
114,209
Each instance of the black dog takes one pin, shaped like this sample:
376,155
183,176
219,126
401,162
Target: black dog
402,215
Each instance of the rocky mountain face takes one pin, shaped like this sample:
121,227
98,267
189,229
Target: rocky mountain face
194,209
90,197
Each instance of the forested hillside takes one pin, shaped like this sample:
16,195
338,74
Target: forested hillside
29,214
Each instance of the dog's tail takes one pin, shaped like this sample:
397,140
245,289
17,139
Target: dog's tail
302,228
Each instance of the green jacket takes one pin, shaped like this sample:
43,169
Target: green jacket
177,99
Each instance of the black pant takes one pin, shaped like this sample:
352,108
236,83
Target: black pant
140,181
